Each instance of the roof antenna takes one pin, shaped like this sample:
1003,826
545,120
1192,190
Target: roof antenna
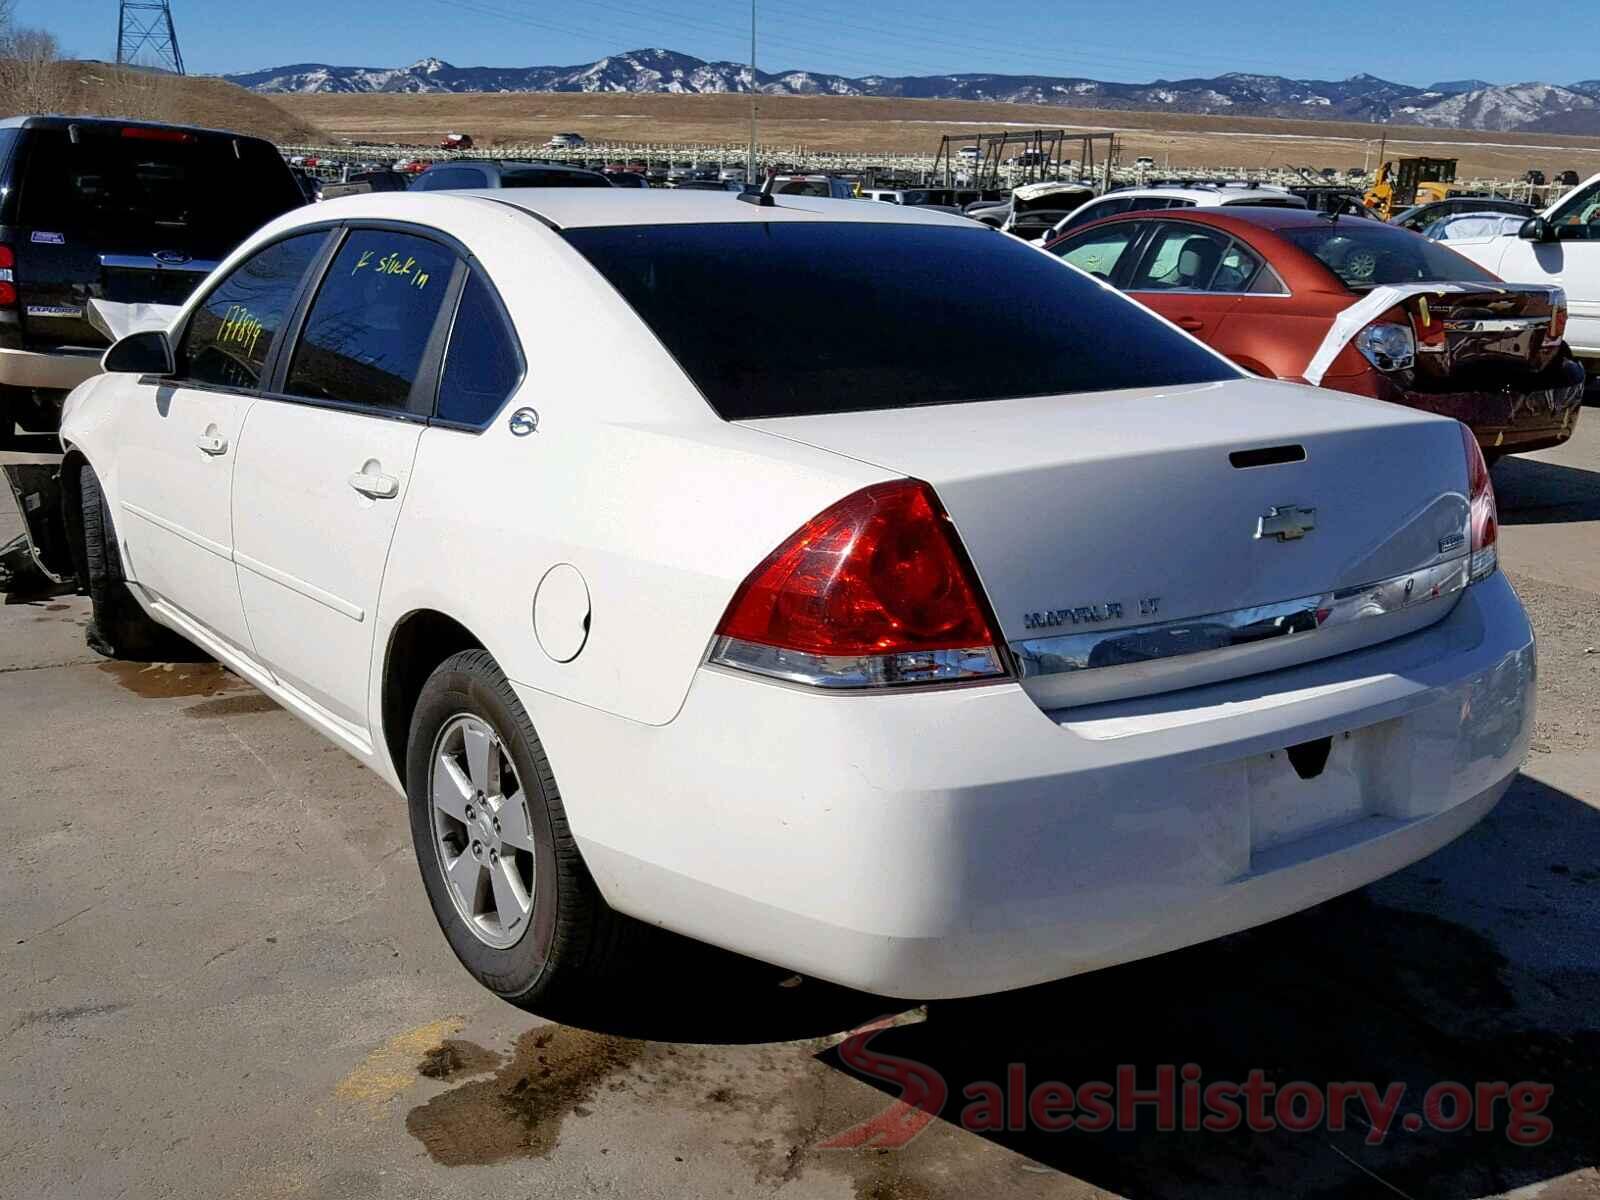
763,198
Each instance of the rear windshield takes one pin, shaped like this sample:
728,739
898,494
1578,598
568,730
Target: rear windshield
1366,254
196,194
801,317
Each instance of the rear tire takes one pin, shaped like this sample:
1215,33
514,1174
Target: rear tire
120,629
555,957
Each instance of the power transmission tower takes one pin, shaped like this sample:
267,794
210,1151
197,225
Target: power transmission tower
146,35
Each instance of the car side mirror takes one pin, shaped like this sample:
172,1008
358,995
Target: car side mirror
1536,229
147,352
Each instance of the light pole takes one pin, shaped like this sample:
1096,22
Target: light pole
750,158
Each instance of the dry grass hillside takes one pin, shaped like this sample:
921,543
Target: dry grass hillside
100,89
911,126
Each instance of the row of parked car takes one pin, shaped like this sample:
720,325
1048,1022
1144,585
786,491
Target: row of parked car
133,212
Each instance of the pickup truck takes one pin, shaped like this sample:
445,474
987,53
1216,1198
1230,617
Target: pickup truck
1559,246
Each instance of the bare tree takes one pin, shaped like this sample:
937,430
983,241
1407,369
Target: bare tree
141,94
32,78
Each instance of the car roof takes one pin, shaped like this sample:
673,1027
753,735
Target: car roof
1207,194
508,164
61,121
581,208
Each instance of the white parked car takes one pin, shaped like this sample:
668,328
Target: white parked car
1199,195
931,674
1560,246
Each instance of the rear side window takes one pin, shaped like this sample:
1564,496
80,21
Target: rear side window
230,333
369,325
155,188
1100,208
481,365
799,317
1236,270
1180,258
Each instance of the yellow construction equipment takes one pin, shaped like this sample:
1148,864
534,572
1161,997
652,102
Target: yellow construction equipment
1408,181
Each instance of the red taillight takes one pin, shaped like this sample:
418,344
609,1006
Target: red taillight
1485,517
146,134
873,591
8,279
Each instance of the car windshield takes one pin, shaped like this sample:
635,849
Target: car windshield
802,317
1366,255
195,192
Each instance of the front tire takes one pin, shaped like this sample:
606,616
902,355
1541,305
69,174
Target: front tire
502,872
120,629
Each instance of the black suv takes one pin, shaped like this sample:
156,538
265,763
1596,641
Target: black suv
503,173
92,208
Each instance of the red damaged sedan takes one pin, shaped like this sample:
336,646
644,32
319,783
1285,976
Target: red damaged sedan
1351,304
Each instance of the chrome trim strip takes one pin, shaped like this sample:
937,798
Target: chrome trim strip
1219,631
1495,324
853,671
149,262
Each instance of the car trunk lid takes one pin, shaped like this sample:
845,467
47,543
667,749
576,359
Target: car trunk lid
1117,521
1499,327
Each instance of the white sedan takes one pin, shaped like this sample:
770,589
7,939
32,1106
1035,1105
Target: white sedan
847,585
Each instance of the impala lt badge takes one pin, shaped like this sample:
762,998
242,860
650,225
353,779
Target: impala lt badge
1286,522
1087,614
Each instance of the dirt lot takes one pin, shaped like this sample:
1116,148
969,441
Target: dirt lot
915,126
219,977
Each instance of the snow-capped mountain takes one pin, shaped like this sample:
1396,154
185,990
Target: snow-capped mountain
1459,104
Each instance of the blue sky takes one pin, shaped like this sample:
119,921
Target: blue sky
1172,38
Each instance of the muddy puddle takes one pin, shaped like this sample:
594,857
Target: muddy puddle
551,1073
171,681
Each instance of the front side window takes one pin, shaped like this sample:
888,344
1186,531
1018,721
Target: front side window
791,317
1579,218
481,365
369,325
1180,258
230,333
1098,251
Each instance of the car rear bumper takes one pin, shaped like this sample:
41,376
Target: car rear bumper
959,842
60,370
1508,419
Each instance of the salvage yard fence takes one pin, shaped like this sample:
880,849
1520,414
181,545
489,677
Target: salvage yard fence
329,162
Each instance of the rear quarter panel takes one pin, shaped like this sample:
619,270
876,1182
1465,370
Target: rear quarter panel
630,477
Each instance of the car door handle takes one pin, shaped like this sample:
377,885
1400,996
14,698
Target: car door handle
1190,323
211,443
379,487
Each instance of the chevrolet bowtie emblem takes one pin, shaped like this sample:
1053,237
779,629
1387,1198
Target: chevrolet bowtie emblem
1286,522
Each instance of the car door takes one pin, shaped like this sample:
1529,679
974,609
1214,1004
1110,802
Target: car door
323,471
1174,276
179,438
1572,262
